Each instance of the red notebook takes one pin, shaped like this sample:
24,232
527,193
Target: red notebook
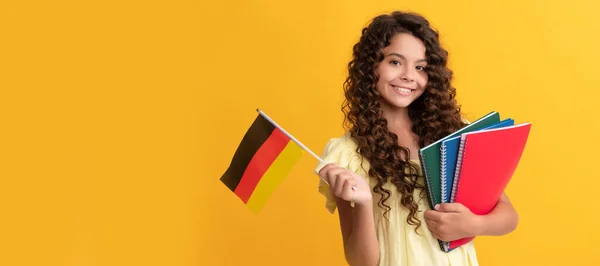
486,162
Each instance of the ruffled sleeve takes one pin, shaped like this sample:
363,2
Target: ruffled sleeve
341,152
465,120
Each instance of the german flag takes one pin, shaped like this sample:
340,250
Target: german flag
263,159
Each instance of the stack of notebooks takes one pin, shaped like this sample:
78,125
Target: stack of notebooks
473,165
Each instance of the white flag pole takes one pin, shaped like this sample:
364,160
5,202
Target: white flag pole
290,136
297,142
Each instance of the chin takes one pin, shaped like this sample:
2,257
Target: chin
401,106
397,104
403,102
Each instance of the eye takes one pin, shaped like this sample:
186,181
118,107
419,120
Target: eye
395,62
421,68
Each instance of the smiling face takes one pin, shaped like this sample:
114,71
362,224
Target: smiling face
402,75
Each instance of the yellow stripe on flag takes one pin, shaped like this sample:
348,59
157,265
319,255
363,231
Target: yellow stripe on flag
278,170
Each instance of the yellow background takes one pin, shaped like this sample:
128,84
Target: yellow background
117,119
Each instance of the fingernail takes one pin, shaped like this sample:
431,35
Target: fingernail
437,207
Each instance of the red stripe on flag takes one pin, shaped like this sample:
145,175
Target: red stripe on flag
261,161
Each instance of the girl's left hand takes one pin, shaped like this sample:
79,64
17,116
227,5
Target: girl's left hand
451,221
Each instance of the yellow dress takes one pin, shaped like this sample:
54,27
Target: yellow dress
399,244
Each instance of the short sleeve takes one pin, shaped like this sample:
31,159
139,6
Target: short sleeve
464,120
336,151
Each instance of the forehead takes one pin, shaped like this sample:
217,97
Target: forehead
407,45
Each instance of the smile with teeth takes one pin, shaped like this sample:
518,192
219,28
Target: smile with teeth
402,89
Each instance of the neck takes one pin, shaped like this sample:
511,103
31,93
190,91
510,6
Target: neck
397,119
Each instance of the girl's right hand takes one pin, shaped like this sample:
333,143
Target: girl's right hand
346,184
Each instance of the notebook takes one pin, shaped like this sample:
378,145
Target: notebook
430,157
487,160
449,154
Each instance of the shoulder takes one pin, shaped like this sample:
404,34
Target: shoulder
343,143
341,150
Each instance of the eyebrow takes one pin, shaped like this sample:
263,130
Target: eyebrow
403,57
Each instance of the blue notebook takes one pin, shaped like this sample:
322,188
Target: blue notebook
449,154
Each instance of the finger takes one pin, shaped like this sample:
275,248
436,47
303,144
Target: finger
433,225
435,231
427,214
322,173
347,191
449,207
325,169
435,235
432,222
433,215
332,175
434,228
340,182
354,186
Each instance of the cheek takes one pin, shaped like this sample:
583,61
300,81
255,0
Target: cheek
381,84
424,80
383,79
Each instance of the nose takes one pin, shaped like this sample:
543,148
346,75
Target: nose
407,75
407,78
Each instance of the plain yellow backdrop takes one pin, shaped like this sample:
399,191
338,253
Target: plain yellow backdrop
118,118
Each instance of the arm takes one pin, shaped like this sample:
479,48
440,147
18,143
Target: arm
502,220
361,247
451,221
358,233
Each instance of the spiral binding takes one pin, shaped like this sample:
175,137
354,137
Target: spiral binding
431,196
456,182
426,177
443,173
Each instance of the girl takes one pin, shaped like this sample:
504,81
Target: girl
399,98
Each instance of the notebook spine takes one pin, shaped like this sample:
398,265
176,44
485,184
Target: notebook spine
443,244
443,173
426,176
460,158
428,188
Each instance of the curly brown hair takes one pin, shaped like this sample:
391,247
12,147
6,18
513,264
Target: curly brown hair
434,114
